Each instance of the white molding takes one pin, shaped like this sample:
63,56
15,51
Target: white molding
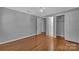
17,39
60,35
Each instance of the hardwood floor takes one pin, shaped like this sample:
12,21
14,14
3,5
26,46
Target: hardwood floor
71,46
34,43
40,42
64,45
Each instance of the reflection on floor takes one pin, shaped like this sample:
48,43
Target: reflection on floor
67,45
71,46
33,43
40,42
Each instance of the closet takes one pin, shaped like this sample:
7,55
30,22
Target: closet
60,25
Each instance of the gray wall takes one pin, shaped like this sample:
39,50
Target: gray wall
71,25
43,25
49,26
14,24
40,25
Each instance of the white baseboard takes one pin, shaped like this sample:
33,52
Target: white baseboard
60,35
17,39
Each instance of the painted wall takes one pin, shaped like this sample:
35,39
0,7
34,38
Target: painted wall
14,24
49,26
40,25
43,25
71,25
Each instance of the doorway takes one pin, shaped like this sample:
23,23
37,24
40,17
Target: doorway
60,26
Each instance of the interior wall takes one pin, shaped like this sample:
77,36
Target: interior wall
40,25
43,25
50,26
1,28
14,24
71,25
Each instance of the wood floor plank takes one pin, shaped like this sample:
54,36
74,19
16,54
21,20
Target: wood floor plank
40,42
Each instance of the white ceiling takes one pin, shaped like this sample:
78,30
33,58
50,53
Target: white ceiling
36,10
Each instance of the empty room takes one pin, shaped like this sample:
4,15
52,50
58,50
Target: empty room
39,28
